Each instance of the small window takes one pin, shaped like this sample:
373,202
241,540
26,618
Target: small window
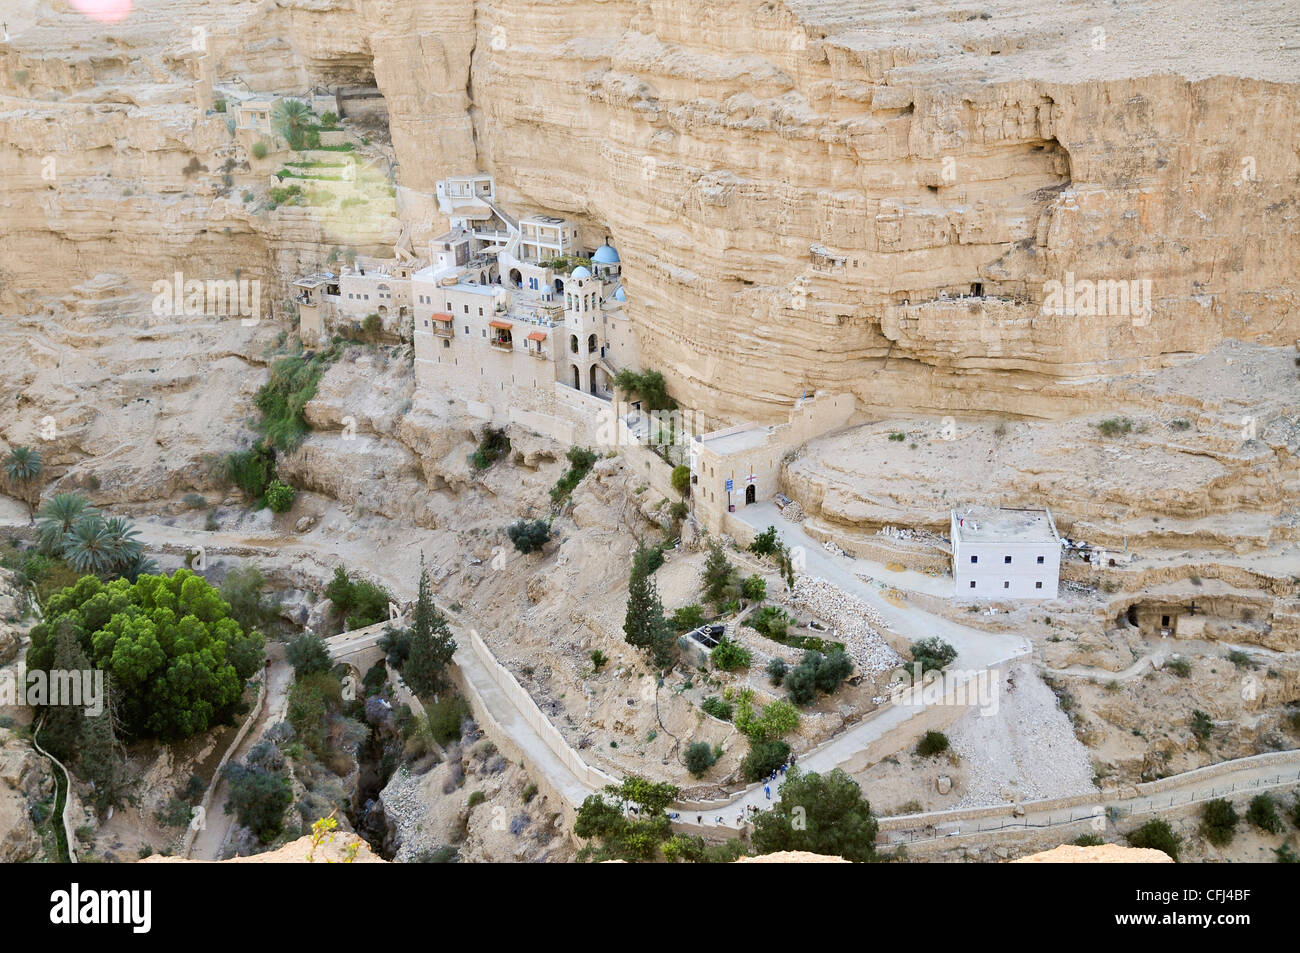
467,309
972,583
1038,585
1006,585
1007,560
974,559
1040,560
1164,621
446,343
480,312
467,329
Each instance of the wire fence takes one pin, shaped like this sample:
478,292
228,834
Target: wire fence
1113,812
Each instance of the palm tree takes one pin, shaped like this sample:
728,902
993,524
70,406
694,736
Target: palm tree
136,566
89,547
123,538
291,118
23,468
57,517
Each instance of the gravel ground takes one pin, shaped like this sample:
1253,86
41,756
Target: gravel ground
851,622
1027,750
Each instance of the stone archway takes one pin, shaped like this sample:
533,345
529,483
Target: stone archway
516,279
751,494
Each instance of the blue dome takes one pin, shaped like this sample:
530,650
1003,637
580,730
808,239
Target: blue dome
581,272
620,294
547,289
605,255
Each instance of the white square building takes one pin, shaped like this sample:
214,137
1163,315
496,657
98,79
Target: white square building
1005,554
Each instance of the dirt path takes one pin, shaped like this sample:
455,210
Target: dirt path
217,823
1244,774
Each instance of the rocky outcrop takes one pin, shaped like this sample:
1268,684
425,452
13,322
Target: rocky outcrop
25,778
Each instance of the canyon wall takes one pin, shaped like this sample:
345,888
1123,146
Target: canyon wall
847,195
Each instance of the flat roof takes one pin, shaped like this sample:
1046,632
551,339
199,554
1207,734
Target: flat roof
735,439
988,524
312,281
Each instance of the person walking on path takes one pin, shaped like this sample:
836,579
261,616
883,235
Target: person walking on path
767,790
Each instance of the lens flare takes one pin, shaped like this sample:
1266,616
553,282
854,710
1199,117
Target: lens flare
105,11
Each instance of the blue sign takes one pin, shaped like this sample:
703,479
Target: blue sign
729,486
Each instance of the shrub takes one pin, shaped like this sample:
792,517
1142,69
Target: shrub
716,707
729,656
754,589
445,718
311,700
360,603
1157,835
1202,724
1115,426
259,150
771,622
765,543
932,653
258,798
1179,666
801,681
1219,822
688,618
598,659
492,446
581,460
251,470
699,757
932,743
280,497
308,655
1263,814
681,479
718,575
293,382
529,793
476,798
1240,659
763,758
776,669
1088,840
529,536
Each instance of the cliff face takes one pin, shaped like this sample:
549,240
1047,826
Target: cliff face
927,154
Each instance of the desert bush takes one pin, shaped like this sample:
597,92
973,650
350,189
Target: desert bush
1262,812
699,757
729,656
716,707
280,496
529,535
1157,835
932,743
1219,822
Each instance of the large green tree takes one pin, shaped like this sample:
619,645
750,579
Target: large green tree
168,645
644,625
431,643
821,814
